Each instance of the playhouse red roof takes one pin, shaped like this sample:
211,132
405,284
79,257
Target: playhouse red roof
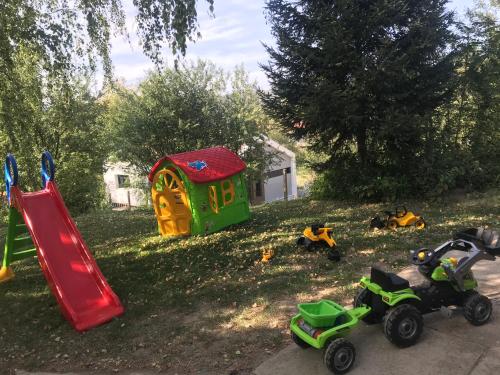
202,166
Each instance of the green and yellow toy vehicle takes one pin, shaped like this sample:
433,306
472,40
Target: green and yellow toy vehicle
389,299
401,217
319,235
324,324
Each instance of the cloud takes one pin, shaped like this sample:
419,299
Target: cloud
229,39
260,78
221,28
132,73
246,4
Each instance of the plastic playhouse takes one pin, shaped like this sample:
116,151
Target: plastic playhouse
40,225
199,192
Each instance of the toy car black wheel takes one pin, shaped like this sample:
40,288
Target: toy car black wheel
403,325
477,309
300,343
363,297
377,223
392,224
333,255
306,242
339,356
420,224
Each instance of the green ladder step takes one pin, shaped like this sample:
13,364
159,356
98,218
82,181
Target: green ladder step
22,243
21,229
23,254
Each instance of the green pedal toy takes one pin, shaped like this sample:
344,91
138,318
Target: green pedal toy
324,324
389,299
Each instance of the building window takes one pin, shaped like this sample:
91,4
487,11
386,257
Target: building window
258,189
123,180
278,172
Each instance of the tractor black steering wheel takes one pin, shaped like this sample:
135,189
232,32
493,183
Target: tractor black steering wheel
401,211
422,257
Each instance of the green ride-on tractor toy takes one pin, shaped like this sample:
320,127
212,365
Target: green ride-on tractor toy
318,235
400,217
389,299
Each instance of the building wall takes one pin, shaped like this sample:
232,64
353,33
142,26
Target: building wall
272,180
120,195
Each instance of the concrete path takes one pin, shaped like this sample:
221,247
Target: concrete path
448,346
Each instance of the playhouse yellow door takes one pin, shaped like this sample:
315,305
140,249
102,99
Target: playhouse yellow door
170,204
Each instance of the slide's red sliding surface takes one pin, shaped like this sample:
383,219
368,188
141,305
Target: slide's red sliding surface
81,290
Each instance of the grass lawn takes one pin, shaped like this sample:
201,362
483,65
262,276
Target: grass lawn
207,304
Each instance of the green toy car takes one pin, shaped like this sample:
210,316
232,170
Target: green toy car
389,299
324,324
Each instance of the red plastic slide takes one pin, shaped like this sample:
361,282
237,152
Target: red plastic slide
85,298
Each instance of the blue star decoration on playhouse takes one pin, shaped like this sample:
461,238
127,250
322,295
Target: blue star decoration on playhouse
198,165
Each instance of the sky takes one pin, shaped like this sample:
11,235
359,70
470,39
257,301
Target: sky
233,37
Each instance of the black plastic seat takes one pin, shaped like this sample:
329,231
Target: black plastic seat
388,281
315,228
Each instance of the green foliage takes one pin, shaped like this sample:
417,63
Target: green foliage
474,113
45,43
365,82
186,109
59,114
63,32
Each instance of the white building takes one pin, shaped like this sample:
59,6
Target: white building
272,185
122,185
123,181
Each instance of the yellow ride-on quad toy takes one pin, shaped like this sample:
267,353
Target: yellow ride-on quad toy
401,217
319,235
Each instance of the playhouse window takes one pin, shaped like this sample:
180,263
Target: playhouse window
213,201
227,188
123,180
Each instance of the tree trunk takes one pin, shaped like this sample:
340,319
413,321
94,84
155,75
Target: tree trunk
362,147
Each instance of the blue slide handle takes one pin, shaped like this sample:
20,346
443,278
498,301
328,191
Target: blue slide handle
48,168
10,179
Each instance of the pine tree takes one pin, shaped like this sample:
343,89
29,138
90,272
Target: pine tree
360,80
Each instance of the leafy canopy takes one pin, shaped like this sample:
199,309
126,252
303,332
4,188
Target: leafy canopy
186,109
59,114
62,32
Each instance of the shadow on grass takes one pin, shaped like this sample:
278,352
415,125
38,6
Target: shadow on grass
192,303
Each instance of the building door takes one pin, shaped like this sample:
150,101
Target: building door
171,204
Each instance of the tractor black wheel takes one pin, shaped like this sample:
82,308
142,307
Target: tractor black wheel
477,309
392,224
306,242
339,356
420,224
333,254
403,325
300,343
363,297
